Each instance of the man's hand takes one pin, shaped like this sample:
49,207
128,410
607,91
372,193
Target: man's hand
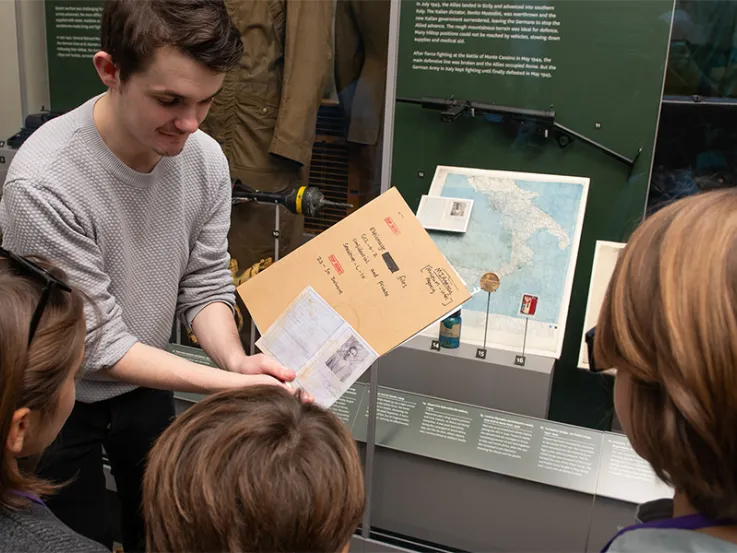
262,364
147,366
216,331
155,368
265,370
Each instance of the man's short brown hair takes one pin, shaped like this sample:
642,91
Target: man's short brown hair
255,470
669,323
132,30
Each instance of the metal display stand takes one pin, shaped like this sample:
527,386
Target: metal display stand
370,452
277,234
364,543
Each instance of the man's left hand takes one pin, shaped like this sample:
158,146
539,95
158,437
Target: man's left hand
263,364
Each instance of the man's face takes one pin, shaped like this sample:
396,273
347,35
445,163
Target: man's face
161,106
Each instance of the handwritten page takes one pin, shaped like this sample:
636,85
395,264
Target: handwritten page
320,346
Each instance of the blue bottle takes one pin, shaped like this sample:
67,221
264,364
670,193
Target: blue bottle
450,331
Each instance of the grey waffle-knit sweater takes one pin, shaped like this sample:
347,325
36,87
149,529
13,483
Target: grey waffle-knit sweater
144,247
35,529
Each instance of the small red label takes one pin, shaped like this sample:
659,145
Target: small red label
529,305
336,264
394,228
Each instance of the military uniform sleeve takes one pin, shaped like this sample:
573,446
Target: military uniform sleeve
207,278
36,221
349,53
307,60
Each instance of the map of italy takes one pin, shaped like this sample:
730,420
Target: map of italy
520,217
524,228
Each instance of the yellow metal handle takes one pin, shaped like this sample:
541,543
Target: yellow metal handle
298,202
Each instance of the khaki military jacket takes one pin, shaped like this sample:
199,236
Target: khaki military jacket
361,46
265,116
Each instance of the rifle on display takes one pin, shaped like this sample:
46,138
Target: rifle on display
542,122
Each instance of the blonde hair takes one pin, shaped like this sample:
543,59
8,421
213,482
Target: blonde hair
669,321
32,375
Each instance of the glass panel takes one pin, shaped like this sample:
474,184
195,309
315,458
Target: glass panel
695,150
486,423
696,134
702,53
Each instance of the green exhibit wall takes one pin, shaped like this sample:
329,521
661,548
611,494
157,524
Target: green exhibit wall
72,38
599,63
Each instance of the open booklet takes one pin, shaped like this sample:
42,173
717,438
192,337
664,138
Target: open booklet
441,213
312,339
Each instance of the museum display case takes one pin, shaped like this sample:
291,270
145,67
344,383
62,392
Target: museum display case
536,118
532,172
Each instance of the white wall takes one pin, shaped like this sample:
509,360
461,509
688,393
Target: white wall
10,104
33,35
33,29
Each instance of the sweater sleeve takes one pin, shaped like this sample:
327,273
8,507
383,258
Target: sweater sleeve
36,221
207,278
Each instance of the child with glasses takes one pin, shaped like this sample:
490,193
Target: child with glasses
668,325
42,344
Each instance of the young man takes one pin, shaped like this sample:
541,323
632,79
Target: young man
134,202
253,470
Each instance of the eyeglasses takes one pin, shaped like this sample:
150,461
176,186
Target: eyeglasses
590,350
593,367
32,269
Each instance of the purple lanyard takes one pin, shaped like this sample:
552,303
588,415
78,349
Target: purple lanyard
30,496
687,522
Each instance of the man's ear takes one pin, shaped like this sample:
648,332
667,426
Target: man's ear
109,72
19,426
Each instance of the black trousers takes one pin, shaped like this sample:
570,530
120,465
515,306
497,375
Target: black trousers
126,426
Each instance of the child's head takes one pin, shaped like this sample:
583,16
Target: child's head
39,358
253,470
668,324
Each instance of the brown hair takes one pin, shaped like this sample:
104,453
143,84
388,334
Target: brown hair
669,321
32,375
256,470
132,30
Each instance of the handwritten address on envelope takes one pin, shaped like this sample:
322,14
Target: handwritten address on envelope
378,268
